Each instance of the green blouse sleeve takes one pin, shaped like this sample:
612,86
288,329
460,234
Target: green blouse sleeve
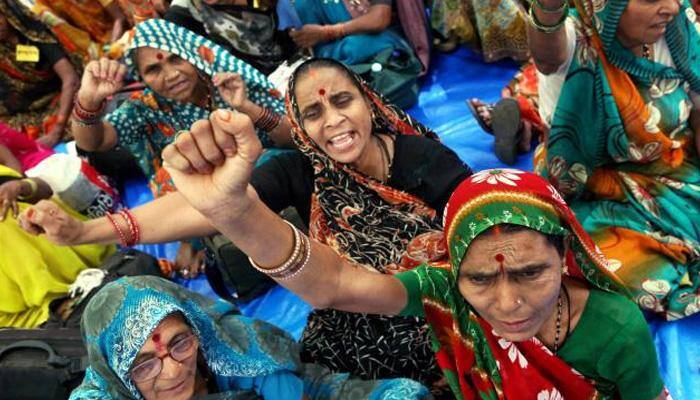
630,361
411,281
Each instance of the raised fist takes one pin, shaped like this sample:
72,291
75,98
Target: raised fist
101,79
212,163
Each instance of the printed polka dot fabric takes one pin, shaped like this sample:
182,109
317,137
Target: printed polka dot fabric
147,122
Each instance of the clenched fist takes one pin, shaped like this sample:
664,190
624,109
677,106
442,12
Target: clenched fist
101,79
212,163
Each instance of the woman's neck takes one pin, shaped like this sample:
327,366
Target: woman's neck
574,297
374,162
634,46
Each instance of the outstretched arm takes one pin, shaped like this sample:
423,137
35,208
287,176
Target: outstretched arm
211,166
168,218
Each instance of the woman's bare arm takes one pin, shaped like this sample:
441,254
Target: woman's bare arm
9,160
168,218
549,50
221,191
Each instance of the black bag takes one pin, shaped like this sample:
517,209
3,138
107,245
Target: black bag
232,276
41,364
128,262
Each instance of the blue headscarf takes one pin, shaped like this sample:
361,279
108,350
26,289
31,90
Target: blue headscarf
120,318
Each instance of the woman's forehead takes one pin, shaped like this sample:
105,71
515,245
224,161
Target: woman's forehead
523,244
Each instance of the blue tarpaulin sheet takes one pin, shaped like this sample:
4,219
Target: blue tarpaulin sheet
453,79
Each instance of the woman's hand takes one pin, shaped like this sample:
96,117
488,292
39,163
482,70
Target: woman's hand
9,193
212,163
232,88
101,79
189,262
308,36
48,218
51,138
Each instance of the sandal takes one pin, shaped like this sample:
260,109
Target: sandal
475,112
505,124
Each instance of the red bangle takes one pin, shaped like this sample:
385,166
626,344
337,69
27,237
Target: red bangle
134,230
120,233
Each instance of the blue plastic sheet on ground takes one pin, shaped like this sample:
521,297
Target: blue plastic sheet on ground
453,79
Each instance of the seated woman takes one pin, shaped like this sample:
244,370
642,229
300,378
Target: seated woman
187,77
623,147
34,271
148,338
358,34
248,29
37,89
102,20
524,308
72,179
495,28
370,182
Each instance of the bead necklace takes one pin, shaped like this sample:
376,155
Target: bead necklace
557,333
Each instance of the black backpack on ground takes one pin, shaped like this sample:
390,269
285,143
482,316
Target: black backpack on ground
49,362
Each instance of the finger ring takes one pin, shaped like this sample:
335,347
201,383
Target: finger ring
180,132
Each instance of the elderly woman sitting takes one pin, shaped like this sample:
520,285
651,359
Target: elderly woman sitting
147,338
525,306
623,146
359,34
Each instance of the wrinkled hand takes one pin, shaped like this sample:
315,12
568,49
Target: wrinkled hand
48,218
308,36
9,192
211,164
232,88
101,79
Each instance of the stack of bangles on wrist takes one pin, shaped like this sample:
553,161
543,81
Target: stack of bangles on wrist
295,263
128,225
267,120
537,24
84,117
333,32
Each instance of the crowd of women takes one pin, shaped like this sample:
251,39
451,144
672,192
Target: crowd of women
428,279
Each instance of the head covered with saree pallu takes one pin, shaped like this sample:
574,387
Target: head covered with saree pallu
165,117
346,202
621,133
601,117
479,363
120,318
370,223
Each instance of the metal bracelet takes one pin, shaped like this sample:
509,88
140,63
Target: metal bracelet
547,28
547,10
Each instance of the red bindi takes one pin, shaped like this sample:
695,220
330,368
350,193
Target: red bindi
159,56
159,345
322,92
500,259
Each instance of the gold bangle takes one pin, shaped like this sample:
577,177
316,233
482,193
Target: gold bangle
34,188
